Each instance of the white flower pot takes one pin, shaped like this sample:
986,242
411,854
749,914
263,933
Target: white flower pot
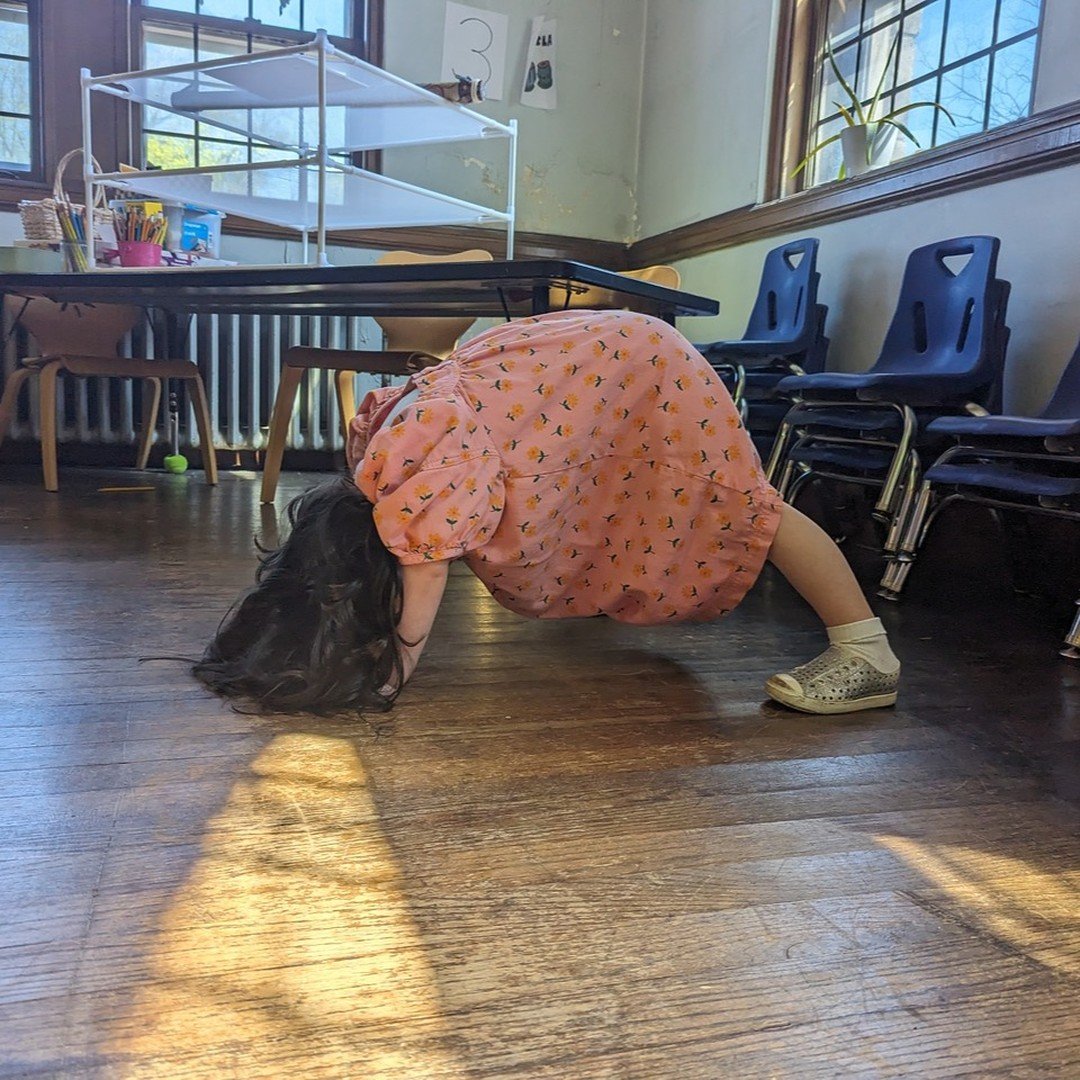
866,146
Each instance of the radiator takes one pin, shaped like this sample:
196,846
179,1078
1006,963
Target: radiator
239,357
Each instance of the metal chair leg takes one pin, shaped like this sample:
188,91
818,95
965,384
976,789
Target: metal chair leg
910,540
1071,648
779,450
899,461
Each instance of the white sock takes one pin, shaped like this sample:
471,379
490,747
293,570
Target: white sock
866,639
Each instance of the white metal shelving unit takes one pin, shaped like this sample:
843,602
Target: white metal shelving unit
307,103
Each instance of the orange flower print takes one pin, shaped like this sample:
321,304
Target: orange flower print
423,493
655,338
516,411
470,484
532,502
569,403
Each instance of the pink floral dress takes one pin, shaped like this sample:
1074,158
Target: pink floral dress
581,463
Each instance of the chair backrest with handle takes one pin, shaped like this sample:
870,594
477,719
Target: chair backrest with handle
71,329
786,306
437,335
947,317
560,297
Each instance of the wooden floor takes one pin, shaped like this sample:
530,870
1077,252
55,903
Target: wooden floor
576,850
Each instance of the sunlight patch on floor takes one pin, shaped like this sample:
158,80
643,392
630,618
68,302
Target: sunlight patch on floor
1010,898
291,939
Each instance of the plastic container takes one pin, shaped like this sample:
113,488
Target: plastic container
193,229
139,253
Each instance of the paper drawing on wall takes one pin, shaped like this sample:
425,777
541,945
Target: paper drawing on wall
474,47
538,89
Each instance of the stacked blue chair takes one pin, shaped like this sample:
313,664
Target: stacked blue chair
785,335
1008,462
943,353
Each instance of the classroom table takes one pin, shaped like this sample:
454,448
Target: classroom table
482,289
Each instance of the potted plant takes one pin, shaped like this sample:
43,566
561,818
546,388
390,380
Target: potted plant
867,139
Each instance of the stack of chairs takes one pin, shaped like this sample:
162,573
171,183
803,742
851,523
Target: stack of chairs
784,336
943,355
1031,464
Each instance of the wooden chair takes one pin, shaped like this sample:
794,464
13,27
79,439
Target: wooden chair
82,340
410,343
563,296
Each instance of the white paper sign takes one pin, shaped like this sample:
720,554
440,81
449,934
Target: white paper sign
538,88
474,44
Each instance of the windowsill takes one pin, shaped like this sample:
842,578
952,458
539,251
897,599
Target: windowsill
1047,140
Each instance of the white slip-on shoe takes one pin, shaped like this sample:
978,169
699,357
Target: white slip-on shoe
834,682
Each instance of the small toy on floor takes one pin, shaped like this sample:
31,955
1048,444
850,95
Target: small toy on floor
175,462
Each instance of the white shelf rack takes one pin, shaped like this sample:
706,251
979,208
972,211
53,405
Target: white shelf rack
306,103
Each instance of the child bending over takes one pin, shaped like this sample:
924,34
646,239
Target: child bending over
580,463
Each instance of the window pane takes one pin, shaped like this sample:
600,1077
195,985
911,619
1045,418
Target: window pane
1010,98
920,43
169,151
920,122
15,86
970,29
1017,16
963,93
212,152
15,145
843,21
14,31
826,165
879,12
271,13
831,90
333,16
165,47
160,120
173,5
227,9
875,52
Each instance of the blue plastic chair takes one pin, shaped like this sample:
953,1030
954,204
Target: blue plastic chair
944,349
784,320
1013,462
1059,419
938,347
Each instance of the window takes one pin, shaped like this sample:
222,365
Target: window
976,58
182,31
18,135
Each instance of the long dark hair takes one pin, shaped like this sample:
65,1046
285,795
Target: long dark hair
318,631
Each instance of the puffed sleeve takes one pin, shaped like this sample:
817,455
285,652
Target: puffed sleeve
360,425
436,481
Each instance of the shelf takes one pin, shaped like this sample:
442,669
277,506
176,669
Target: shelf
274,97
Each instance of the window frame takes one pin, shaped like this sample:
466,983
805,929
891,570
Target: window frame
365,42
800,40
36,172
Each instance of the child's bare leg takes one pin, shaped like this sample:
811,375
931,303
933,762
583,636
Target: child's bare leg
859,670
817,570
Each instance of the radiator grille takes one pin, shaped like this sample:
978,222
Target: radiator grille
239,357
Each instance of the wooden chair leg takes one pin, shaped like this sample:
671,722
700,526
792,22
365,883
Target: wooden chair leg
202,422
346,396
47,397
151,402
280,419
11,399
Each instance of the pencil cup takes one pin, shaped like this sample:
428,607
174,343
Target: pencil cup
139,253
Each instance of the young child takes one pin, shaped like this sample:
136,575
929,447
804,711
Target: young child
579,463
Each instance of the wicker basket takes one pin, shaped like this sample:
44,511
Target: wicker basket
39,218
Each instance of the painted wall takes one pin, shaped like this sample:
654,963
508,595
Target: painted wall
577,163
861,259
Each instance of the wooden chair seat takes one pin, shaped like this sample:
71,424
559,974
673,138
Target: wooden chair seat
63,331
370,361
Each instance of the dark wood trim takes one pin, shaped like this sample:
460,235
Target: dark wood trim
1047,140
443,239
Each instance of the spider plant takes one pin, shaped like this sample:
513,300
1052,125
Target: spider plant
856,114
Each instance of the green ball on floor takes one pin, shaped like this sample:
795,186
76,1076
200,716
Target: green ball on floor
176,463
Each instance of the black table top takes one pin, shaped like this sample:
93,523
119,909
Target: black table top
482,289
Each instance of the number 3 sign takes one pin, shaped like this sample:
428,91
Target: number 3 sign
474,44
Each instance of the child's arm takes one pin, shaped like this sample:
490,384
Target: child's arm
423,585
